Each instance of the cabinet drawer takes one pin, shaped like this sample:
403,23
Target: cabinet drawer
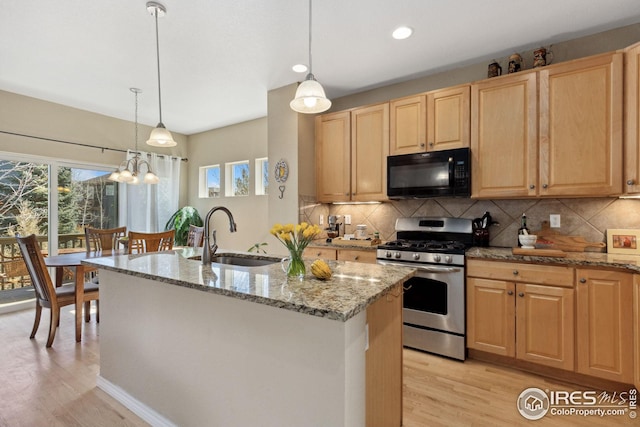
322,253
356,255
519,272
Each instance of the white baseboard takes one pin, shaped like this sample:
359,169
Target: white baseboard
17,306
133,404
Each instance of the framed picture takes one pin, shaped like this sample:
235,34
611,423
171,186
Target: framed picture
623,241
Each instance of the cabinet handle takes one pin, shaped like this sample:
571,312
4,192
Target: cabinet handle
510,293
544,185
583,280
431,144
531,187
521,294
515,272
630,182
318,254
346,194
355,258
422,144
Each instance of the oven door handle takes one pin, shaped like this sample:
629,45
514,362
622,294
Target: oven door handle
429,269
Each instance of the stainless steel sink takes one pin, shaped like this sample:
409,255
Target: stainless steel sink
243,261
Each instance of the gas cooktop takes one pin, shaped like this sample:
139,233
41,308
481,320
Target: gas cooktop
449,246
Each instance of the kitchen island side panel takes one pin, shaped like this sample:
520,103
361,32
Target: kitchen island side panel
198,358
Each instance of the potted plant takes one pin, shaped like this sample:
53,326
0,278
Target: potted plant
181,220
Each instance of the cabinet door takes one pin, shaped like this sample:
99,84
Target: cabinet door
357,256
504,149
632,119
408,123
544,325
636,328
369,151
448,118
333,157
581,127
491,316
604,324
322,253
383,361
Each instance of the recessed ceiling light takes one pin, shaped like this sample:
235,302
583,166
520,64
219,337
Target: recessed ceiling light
402,33
299,68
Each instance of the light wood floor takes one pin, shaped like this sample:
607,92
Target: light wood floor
57,387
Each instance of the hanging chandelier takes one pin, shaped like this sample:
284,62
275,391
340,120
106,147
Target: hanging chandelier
160,136
130,170
310,97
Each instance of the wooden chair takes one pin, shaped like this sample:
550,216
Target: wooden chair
103,239
47,295
151,242
195,237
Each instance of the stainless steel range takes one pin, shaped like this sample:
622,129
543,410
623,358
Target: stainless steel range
434,299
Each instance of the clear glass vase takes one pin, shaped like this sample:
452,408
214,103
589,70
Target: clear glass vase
293,265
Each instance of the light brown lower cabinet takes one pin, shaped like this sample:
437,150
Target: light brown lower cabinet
384,361
636,332
526,321
604,329
357,255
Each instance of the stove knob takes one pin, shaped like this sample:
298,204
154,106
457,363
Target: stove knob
388,254
448,259
397,254
436,258
416,256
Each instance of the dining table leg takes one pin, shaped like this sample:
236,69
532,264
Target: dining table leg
79,283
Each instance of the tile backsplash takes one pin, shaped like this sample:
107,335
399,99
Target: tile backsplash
589,218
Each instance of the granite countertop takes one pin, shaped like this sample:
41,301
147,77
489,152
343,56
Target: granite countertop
630,263
352,287
322,243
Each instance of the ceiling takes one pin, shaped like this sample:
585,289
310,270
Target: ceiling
220,58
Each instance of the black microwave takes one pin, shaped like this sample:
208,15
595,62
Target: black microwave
444,173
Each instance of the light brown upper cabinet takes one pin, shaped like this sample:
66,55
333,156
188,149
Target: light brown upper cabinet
565,139
369,151
632,119
504,136
333,157
433,121
408,125
448,123
581,105
351,154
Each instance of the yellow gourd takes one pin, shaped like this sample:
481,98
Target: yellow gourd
320,269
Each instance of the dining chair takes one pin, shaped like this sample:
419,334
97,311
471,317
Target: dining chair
195,236
103,239
151,242
47,295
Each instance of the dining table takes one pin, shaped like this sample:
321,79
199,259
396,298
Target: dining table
74,260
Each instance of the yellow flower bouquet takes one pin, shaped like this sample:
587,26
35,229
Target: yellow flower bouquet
295,238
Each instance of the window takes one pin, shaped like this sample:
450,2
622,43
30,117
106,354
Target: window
54,202
209,181
262,176
237,183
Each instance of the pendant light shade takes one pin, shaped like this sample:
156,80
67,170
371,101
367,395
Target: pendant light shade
160,136
310,97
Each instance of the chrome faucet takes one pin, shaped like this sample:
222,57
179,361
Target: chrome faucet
207,249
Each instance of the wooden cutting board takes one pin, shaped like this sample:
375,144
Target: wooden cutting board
539,252
556,240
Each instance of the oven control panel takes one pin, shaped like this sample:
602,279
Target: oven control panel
420,257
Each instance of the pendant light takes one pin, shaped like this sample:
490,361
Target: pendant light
129,170
160,136
310,97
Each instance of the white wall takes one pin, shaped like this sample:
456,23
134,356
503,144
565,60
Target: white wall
244,141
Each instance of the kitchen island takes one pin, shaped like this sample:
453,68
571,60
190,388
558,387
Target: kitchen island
225,345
